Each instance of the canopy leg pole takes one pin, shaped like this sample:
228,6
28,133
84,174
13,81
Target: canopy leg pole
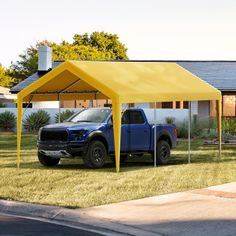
19,128
116,113
155,137
189,131
219,114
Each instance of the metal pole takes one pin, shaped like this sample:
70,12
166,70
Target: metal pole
59,109
219,114
155,138
96,100
24,111
189,131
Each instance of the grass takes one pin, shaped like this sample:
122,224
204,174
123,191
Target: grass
72,185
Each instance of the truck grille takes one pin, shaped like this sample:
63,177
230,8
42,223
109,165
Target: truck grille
54,135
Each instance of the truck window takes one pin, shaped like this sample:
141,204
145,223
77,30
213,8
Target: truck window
132,117
91,115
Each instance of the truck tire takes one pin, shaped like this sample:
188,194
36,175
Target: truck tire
47,161
95,155
163,152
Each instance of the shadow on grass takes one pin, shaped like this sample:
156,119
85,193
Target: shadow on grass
132,163
108,167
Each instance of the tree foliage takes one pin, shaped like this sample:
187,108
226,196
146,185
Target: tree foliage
97,46
6,79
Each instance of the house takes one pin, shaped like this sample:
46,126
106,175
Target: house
7,99
220,74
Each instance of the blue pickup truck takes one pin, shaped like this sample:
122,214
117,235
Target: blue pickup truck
89,134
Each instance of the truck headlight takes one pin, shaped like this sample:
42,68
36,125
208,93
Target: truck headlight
78,135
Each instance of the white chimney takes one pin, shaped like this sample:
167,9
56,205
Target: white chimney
45,58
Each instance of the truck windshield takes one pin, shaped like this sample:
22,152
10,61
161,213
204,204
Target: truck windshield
91,115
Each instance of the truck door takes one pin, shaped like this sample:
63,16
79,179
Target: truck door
136,129
124,139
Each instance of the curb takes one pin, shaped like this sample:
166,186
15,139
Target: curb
71,218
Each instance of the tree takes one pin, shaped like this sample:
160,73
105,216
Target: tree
97,46
6,80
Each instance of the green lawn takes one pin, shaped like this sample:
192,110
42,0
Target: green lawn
72,185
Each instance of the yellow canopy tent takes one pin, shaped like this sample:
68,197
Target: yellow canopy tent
122,82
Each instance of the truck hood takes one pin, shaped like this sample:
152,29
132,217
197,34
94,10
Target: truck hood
74,126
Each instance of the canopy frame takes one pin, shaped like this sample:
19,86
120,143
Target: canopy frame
104,89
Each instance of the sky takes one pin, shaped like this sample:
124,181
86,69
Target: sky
150,29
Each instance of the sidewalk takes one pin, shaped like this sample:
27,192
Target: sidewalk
209,211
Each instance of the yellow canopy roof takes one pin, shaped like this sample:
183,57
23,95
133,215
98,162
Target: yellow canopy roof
130,81
123,82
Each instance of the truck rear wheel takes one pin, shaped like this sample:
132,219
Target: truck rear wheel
47,161
96,155
163,152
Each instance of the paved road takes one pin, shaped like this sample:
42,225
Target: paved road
17,226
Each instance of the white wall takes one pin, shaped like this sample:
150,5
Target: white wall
161,114
142,105
194,107
54,104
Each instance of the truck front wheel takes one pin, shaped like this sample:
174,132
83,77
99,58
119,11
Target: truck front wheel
96,155
47,161
163,152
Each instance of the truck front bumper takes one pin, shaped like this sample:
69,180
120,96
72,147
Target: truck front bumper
66,150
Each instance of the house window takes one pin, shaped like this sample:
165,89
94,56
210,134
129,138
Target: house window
167,105
228,105
185,105
177,105
27,105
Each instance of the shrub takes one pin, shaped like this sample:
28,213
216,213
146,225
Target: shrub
182,129
213,134
209,133
212,123
206,128
2,104
64,115
229,126
170,120
35,120
7,120
199,128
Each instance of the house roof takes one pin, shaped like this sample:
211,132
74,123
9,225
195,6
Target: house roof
220,74
23,84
